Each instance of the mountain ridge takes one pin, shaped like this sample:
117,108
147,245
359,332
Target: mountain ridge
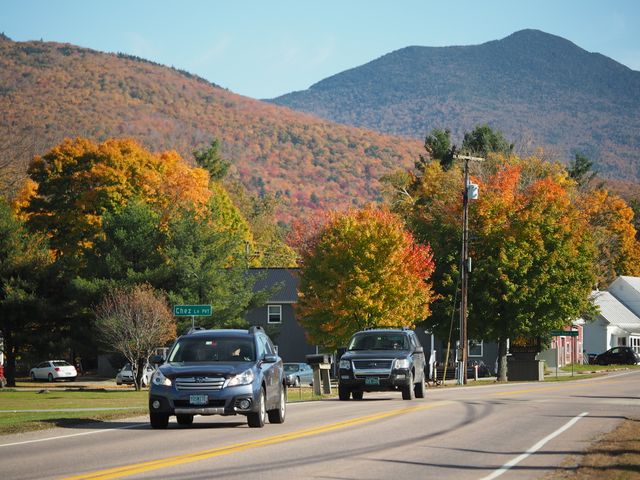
531,85
50,91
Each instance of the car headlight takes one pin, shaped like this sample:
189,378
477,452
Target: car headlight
403,363
244,378
159,379
345,364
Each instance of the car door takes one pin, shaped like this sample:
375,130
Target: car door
418,358
270,373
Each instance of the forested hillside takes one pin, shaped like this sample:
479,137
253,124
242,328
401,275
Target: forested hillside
538,89
49,91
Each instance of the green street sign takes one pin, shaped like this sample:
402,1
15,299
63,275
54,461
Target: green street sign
192,310
564,333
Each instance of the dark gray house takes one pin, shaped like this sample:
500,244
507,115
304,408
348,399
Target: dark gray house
278,316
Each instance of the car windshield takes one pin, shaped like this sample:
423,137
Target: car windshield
60,363
379,341
291,367
213,349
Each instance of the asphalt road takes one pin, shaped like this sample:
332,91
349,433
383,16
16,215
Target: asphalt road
513,431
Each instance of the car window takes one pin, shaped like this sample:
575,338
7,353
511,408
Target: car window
291,367
379,341
60,363
213,349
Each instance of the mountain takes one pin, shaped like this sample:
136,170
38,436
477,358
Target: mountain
538,89
49,91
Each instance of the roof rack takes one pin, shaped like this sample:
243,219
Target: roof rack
255,328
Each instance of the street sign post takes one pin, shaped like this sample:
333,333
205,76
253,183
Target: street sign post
192,311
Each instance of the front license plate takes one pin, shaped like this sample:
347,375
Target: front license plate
372,381
198,399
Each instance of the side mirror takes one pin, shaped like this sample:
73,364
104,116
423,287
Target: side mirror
156,360
270,359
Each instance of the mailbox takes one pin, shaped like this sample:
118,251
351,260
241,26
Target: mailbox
321,364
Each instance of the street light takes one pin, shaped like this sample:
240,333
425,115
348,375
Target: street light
470,192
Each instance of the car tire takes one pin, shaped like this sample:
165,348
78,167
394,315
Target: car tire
33,377
408,392
257,419
278,415
296,382
50,378
343,393
118,382
159,420
185,419
357,395
420,389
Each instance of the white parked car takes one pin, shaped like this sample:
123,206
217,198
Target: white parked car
125,375
52,370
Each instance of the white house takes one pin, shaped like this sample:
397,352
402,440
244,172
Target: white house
618,322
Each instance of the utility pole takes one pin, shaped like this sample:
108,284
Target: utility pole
470,192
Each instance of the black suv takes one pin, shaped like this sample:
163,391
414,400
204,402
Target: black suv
382,360
219,372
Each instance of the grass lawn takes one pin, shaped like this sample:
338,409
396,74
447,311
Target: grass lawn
122,404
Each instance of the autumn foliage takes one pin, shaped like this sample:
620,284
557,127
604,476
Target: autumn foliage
362,269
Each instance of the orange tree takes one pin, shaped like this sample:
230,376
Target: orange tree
531,248
362,269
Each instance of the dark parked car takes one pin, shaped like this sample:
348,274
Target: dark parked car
298,374
219,372
618,356
382,360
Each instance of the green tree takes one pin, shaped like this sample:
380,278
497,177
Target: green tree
24,268
439,147
211,160
580,169
483,140
361,270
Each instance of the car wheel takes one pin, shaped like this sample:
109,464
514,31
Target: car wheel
357,395
50,377
159,420
277,415
33,376
343,393
184,419
118,382
408,392
420,389
257,419
296,382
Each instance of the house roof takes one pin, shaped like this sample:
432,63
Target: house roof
269,277
615,313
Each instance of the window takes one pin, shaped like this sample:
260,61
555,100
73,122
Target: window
475,348
274,313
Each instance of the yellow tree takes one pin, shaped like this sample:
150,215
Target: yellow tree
77,182
363,269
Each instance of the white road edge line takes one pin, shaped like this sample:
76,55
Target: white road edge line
535,448
69,436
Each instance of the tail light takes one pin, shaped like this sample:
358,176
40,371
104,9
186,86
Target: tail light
57,369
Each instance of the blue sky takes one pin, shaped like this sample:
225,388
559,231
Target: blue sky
267,48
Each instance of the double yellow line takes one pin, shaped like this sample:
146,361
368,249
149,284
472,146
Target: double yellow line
136,468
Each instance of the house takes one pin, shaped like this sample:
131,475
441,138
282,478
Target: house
618,320
278,315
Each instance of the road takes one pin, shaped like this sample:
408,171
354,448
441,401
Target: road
512,431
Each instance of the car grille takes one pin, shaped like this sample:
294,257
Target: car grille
199,383
372,367
186,403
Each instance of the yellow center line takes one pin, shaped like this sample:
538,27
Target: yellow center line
133,469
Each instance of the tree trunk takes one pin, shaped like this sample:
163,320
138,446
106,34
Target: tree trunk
137,377
502,360
10,362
